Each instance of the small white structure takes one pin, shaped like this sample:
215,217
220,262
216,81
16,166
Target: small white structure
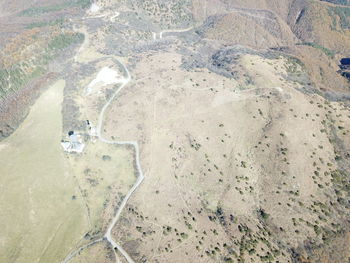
92,130
73,145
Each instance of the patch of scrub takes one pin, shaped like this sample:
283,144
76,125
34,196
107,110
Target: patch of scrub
105,76
105,173
39,219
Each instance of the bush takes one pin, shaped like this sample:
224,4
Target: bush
263,214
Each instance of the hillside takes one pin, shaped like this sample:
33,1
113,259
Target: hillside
198,131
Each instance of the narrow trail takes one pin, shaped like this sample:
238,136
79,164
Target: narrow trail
160,34
77,251
174,31
140,178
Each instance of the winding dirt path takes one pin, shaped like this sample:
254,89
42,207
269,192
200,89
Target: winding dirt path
108,235
140,177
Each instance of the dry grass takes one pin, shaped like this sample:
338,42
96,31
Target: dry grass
39,219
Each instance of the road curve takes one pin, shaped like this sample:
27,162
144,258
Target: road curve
140,177
175,31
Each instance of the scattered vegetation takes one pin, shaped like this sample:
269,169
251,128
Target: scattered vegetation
64,40
343,13
12,78
326,51
56,22
35,11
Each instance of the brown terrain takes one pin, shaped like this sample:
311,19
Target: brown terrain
239,109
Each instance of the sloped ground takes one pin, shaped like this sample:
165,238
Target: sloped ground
241,117
34,35
231,174
39,219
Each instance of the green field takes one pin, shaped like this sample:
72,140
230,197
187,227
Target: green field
39,10
39,221
50,200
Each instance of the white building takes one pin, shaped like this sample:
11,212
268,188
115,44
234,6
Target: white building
74,144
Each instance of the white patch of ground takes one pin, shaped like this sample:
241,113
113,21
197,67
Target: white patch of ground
94,8
105,76
279,89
